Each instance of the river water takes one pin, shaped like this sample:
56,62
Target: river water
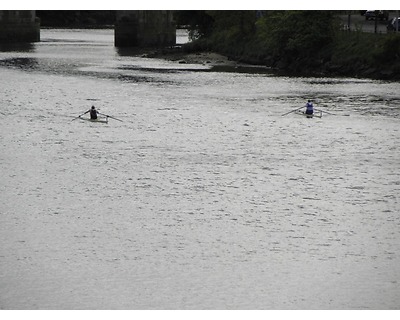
204,197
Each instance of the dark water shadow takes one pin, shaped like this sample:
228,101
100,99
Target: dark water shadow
18,47
20,63
250,69
130,51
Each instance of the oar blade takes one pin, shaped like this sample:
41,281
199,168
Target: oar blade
76,118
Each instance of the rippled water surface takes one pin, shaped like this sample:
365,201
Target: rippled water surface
204,197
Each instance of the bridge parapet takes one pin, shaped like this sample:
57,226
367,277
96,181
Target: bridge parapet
144,28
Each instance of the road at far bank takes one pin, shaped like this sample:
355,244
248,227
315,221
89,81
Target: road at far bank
358,22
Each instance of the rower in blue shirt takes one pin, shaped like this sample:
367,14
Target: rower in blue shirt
309,107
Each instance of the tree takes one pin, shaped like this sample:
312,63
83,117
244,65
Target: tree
301,33
198,22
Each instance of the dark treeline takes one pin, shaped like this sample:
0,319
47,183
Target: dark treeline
76,18
299,42
266,35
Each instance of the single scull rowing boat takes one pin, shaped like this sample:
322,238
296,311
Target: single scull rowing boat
99,120
302,113
102,119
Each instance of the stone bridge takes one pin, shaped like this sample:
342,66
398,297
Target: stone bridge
144,28
133,28
19,26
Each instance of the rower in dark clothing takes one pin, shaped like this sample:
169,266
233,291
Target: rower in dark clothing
93,116
93,113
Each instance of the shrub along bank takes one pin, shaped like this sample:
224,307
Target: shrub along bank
298,43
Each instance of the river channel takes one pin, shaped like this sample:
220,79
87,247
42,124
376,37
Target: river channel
204,197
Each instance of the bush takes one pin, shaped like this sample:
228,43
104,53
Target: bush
301,41
389,49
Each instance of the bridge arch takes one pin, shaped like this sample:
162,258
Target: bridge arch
19,26
144,28
133,28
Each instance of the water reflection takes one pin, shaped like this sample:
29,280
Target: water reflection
17,47
22,63
130,51
243,69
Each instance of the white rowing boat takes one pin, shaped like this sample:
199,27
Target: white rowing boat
317,113
102,119
99,119
302,113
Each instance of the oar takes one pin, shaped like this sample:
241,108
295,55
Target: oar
334,114
292,111
106,115
77,117
80,115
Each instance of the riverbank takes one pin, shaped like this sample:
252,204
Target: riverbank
346,54
178,54
350,68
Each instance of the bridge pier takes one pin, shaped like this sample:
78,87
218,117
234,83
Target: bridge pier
19,26
143,28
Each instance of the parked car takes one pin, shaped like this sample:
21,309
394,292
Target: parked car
394,24
373,14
